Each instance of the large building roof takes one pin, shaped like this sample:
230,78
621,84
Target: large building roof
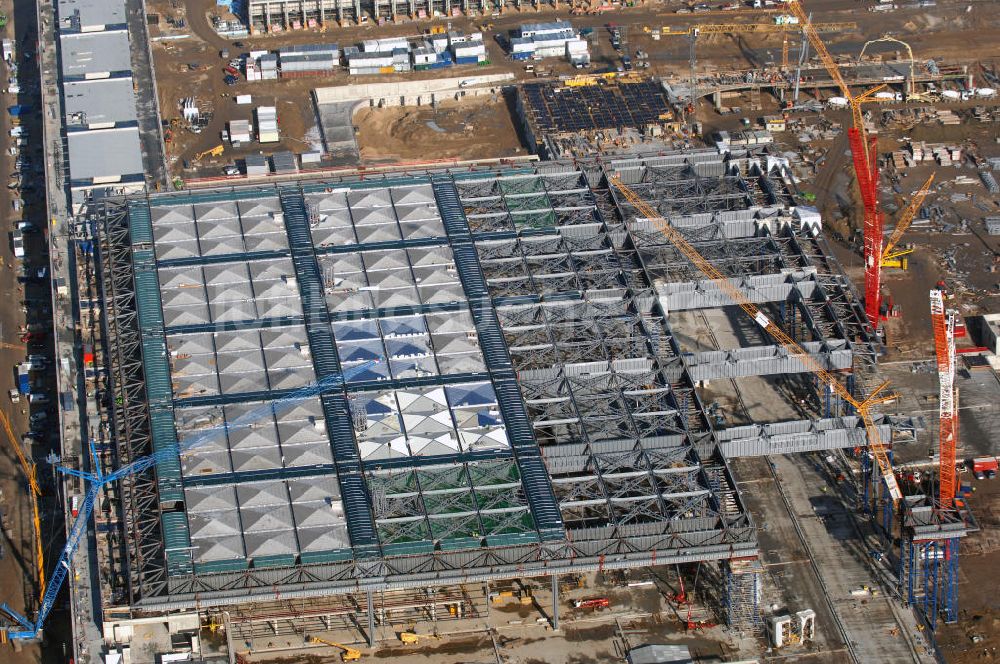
94,54
90,15
530,407
108,155
99,102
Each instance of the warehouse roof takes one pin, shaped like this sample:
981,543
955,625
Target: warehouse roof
99,101
105,154
90,15
94,54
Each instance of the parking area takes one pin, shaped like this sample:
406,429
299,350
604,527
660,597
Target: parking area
26,347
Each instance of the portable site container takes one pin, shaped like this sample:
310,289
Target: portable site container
385,45
424,56
469,48
370,60
533,29
267,124
439,42
256,165
239,131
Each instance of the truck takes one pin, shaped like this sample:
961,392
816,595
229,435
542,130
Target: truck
23,378
984,468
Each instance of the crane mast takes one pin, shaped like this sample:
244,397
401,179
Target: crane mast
943,323
738,298
864,151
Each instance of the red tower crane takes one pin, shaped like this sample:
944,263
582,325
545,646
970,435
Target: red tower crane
943,323
864,151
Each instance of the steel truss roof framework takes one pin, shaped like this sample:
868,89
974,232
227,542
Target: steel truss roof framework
566,288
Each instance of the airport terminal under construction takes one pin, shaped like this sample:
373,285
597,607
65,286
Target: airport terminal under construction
433,336
537,385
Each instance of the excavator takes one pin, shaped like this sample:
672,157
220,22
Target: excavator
348,654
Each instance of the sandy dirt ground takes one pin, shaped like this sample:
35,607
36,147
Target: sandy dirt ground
944,32
460,130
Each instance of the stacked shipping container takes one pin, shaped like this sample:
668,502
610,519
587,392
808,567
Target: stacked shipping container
308,60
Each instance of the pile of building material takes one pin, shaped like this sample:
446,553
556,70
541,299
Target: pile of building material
948,117
987,113
993,225
989,181
943,154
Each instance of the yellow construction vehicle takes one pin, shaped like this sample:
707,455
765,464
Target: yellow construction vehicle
410,637
891,256
348,653
584,80
211,152
523,595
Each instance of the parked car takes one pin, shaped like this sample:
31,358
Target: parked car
18,241
38,398
15,396
38,418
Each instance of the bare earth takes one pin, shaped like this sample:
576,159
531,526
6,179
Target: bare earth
473,128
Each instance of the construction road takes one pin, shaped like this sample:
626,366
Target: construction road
811,547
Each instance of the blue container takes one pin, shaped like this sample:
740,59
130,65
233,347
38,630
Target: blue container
471,60
521,56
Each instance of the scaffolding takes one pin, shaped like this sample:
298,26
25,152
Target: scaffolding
928,560
744,580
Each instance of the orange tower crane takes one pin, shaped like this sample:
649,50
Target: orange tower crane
864,150
943,323
863,408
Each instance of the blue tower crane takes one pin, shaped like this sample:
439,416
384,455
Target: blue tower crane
97,480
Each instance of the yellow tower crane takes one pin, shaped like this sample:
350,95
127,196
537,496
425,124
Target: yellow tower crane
863,408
